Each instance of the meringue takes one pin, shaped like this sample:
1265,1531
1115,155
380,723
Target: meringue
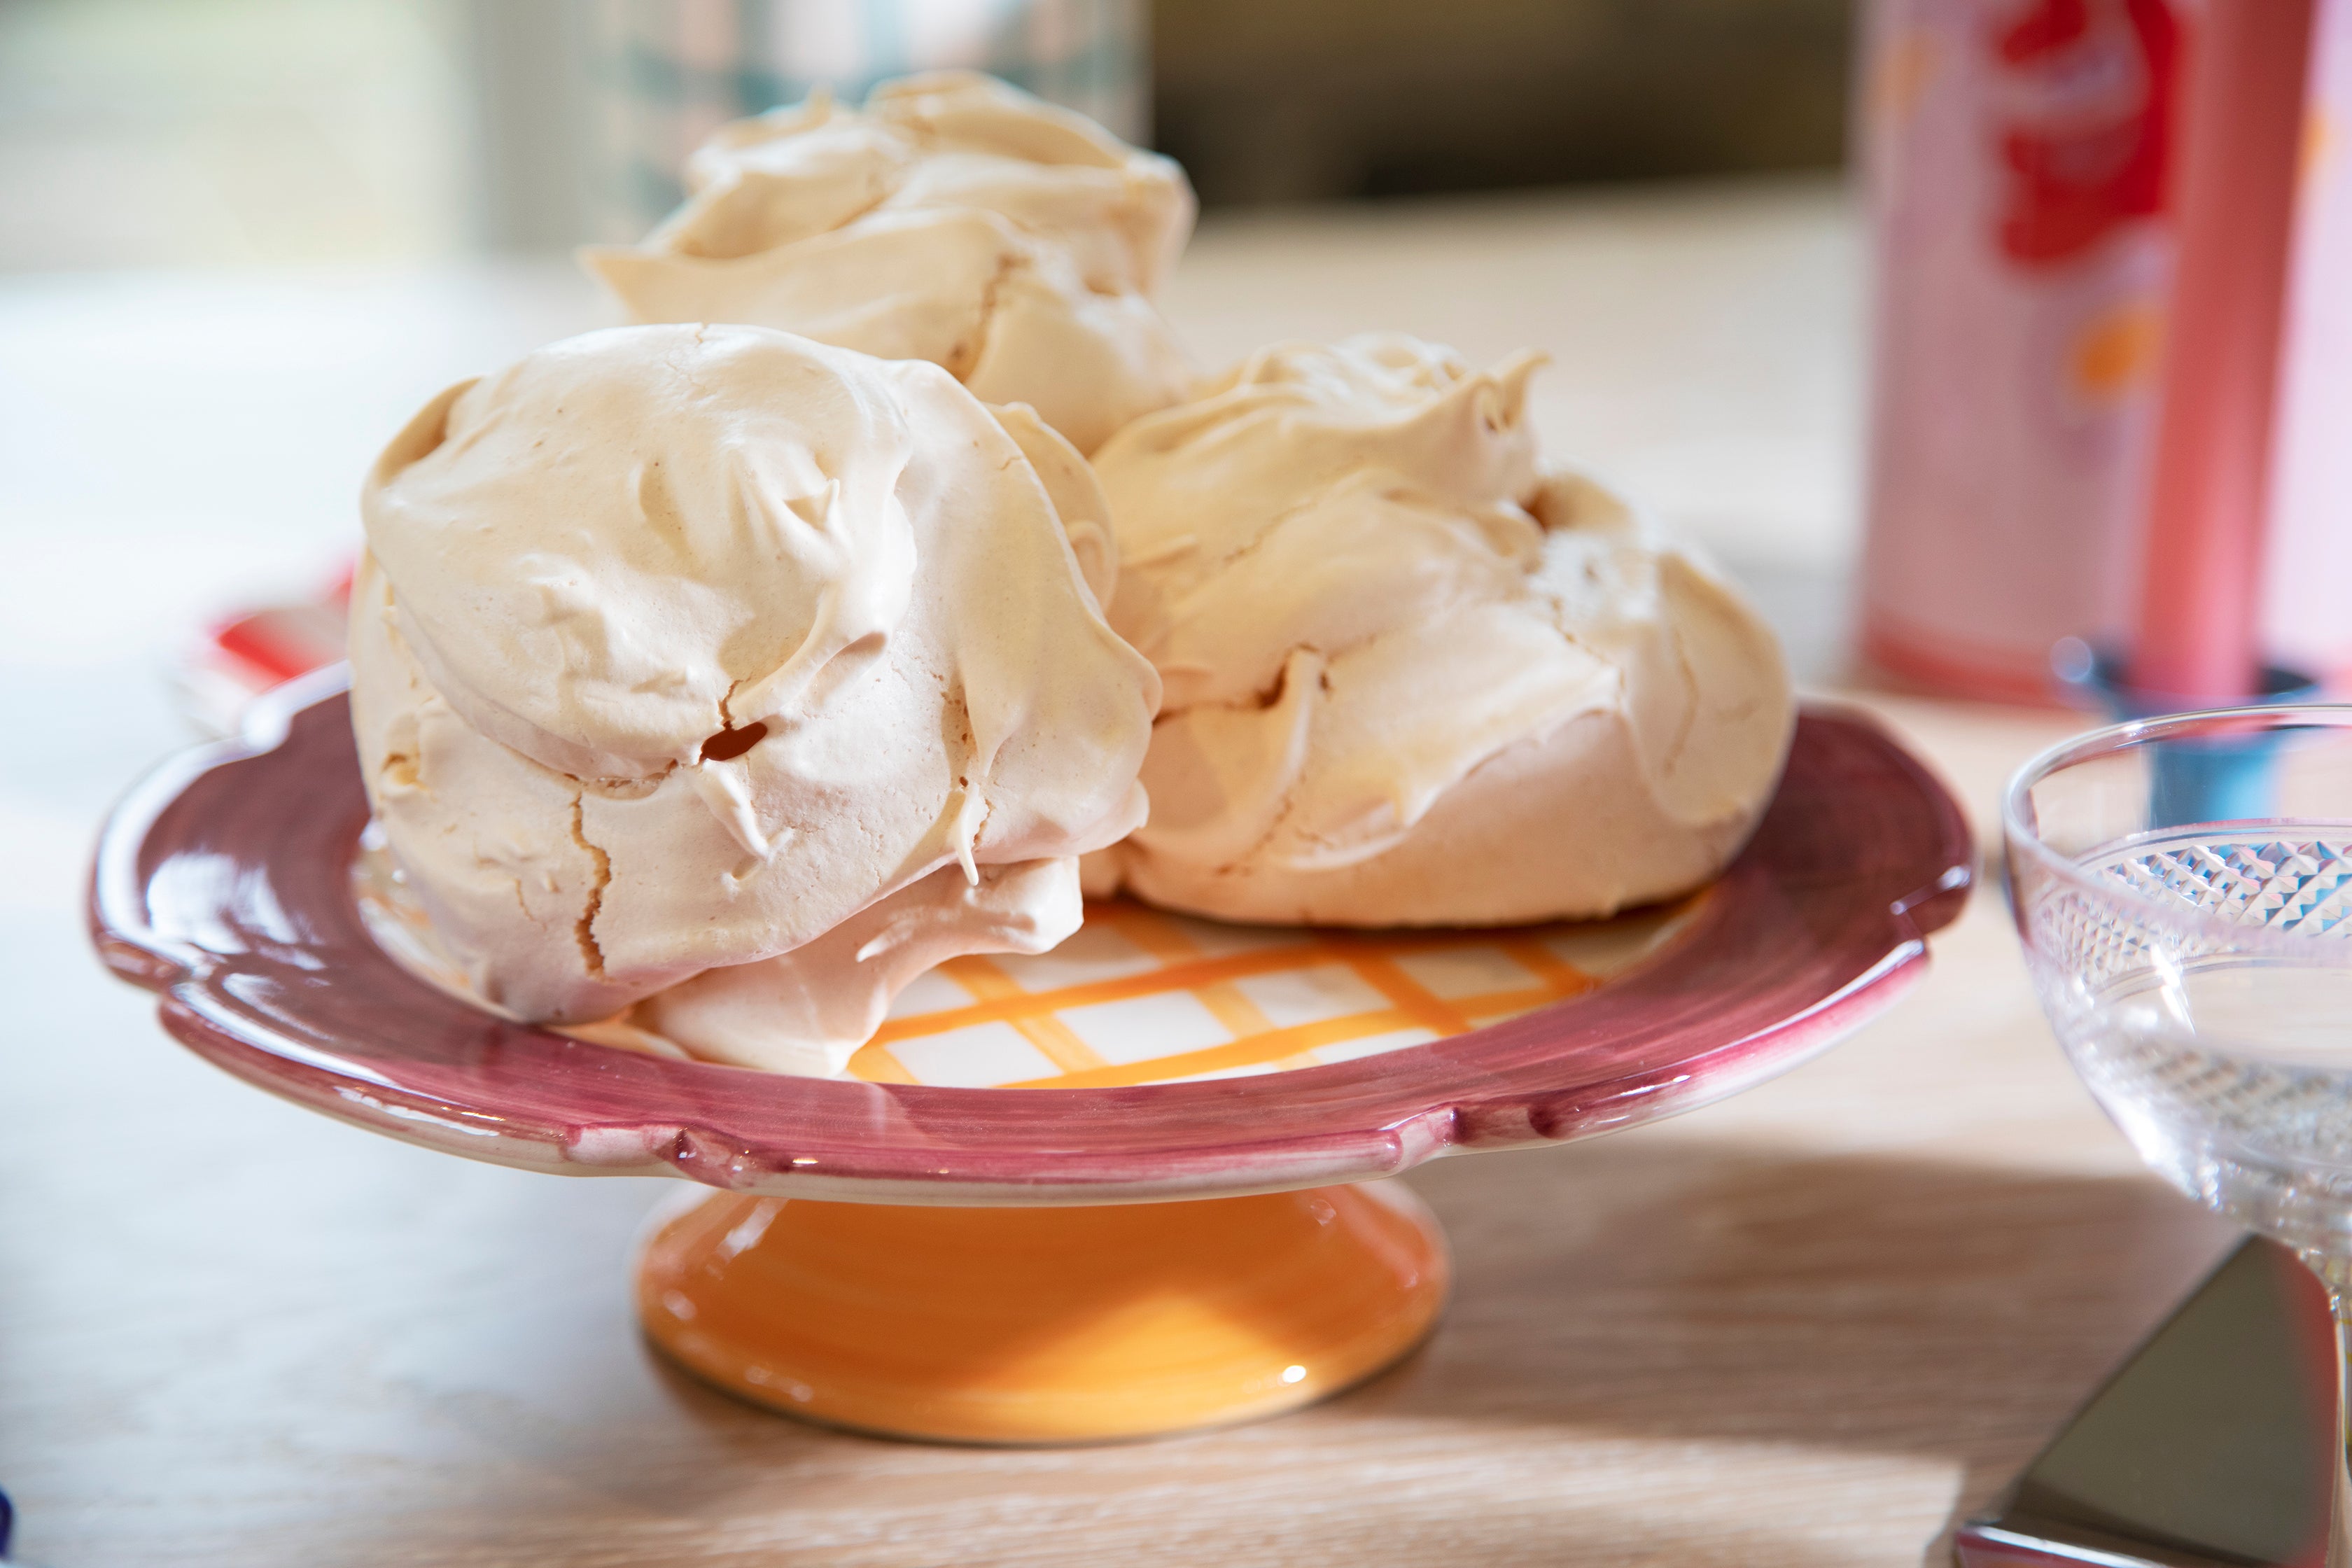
1411,676
688,651
954,219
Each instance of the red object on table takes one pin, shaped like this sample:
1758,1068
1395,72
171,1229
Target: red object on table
2201,568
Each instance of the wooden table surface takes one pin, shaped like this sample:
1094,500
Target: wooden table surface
1808,1326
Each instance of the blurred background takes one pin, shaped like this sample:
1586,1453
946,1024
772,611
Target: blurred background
171,132
1871,398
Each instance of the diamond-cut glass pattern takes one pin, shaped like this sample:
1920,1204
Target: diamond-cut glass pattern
2304,886
2199,974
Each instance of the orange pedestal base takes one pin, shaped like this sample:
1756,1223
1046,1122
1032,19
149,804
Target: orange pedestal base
1044,1325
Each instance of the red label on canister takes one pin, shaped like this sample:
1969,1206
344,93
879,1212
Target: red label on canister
2016,155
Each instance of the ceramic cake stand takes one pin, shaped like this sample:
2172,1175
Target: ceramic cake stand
973,1237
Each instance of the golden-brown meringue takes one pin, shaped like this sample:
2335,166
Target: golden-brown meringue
682,650
1410,676
954,219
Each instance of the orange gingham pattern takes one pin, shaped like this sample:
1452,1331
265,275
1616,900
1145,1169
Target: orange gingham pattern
997,1020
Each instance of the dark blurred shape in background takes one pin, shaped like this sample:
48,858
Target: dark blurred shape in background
1273,101
173,132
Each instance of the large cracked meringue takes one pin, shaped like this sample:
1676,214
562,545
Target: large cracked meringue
1412,676
721,671
954,219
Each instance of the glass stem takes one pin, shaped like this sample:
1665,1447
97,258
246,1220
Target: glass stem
2335,1273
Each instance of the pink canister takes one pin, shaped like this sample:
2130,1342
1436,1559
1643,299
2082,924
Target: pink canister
2016,156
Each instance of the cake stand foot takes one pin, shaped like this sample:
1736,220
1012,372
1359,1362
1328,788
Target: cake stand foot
1044,1325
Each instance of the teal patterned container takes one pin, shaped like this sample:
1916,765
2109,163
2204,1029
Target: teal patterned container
664,74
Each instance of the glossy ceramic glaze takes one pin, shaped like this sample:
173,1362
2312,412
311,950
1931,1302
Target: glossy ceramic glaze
1044,1325
1143,996
222,884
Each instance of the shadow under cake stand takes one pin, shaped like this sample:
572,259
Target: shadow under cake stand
1018,1265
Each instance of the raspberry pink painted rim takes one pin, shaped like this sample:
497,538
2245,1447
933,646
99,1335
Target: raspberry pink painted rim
221,884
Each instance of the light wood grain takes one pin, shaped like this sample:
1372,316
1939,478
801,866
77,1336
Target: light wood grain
1806,1327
